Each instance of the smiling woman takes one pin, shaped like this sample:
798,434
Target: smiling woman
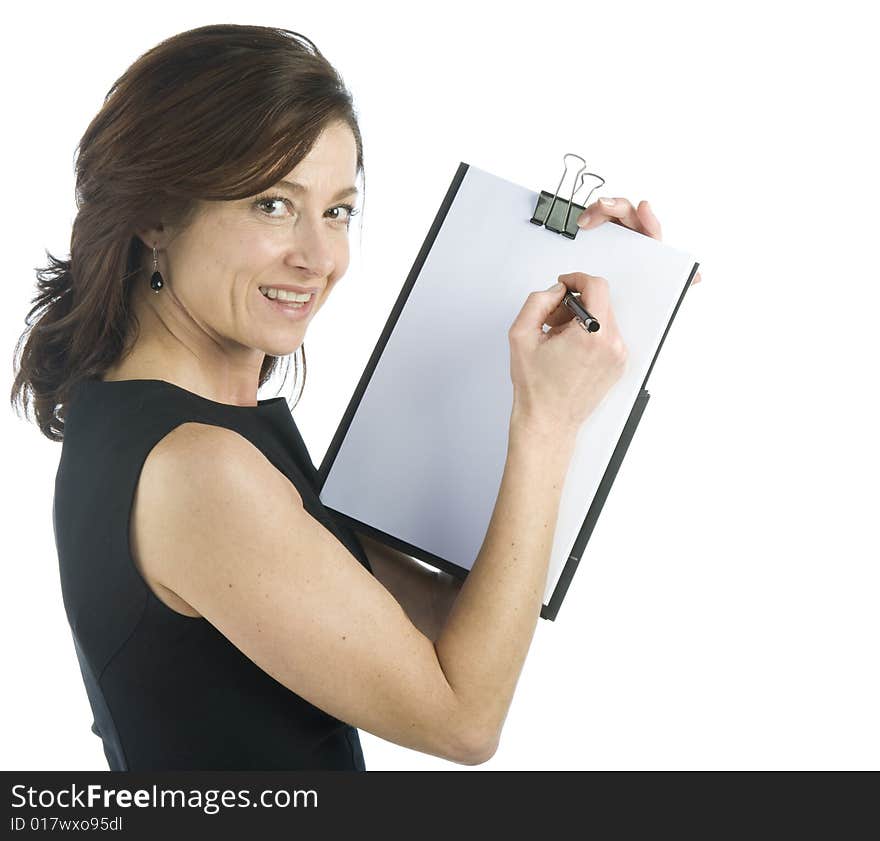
222,618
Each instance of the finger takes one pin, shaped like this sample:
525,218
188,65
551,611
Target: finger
595,301
573,324
537,308
558,328
650,223
559,316
618,210
697,279
594,293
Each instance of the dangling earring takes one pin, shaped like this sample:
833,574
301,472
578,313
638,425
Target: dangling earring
156,282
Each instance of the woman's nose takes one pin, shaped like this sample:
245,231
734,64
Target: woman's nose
313,248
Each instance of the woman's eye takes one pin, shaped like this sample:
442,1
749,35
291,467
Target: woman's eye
267,201
350,212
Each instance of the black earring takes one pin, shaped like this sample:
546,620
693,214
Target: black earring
156,282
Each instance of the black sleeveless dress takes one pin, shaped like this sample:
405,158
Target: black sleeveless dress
169,691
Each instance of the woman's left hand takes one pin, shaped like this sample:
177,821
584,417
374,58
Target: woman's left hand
640,219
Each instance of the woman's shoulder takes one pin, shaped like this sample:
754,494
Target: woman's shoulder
206,449
203,462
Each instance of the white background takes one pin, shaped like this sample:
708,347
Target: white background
725,613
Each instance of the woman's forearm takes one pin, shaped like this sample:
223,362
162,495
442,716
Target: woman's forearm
485,639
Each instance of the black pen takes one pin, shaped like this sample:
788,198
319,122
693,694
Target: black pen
573,305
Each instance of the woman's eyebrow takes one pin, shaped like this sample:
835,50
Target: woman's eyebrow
300,188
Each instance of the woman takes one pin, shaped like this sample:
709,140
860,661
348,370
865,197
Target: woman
222,619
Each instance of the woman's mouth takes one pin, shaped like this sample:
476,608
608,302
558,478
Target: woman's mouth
290,304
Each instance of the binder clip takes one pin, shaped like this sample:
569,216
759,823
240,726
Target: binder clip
559,218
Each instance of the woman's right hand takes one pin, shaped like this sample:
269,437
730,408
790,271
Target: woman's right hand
561,376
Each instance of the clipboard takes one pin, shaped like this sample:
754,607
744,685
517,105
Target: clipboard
397,416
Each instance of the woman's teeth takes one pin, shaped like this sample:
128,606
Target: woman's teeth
285,295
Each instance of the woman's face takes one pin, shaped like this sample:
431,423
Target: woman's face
286,235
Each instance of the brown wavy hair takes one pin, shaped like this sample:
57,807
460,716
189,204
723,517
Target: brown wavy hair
220,112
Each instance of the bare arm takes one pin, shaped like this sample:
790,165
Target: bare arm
429,597
484,642
219,526
482,627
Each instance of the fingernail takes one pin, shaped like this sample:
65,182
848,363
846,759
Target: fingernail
607,202
584,220
557,285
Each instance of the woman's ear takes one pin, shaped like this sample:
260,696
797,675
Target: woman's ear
153,236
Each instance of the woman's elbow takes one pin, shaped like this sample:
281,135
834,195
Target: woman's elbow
475,749
484,754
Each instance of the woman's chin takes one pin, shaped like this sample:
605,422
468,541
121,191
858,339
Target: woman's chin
285,348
